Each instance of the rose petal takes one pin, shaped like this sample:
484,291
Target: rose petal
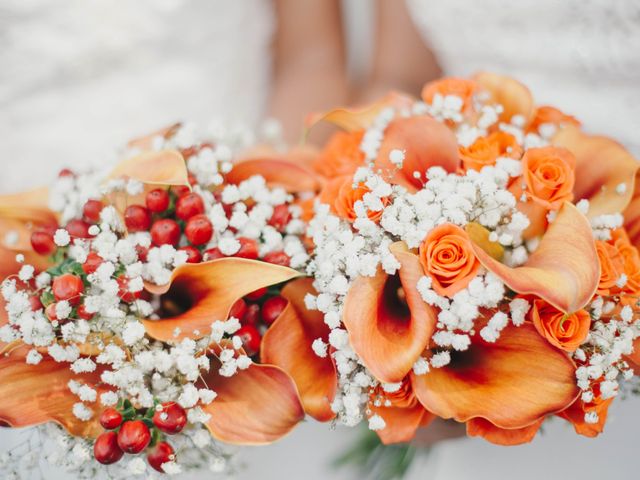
287,344
401,423
277,172
511,94
388,335
479,427
163,167
211,288
511,383
255,406
426,143
563,270
36,394
605,170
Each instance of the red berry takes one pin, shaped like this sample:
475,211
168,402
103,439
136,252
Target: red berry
212,254
165,232
78,229
134,436
193,254
36,304
92,263
272,308
238,309
157,200
82,313
180,190
91,210
137,218
278,258
106,449
248,249
65,172
110,418
189,205
42,242
50,312
251,316
171,419
162,453
198,230
250,339
124,293
281,217
257,294
142,253
68,287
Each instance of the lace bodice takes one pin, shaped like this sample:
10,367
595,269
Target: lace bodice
582,56
80,77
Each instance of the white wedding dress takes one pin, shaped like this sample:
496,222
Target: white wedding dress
582,56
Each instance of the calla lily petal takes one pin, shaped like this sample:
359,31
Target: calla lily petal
36,394
575,415
287,344
426,143
163,167
511,94
387,334
563,270
19,213
401,423
210,289
512,383
479,427
146,142
255,406
605,170
277,172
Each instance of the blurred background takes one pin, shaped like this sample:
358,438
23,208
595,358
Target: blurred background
80,77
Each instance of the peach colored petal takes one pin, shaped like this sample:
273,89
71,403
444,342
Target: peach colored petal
480,236
388,334
146,142
163,167
632,217
278,172
255,406
426,143
20,213
511,383
208,290
603,167
508,92
575,415
36,394
287,344
563,270
401,423
479,427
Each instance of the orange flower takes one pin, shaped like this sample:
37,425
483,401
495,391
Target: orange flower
548,175
447,257
611,267
341,155
514,97
576,412
566,331
460,87
486,150
341,196
630,260
547,115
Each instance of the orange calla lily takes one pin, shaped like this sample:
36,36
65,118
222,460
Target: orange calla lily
36,394
20,213
255,406
460,87
163,167
388,332
277,172
548,115
341,155
511,383
515,98
563,270
479,427
201,293
425,142
287,344
575,415
605,170
146,142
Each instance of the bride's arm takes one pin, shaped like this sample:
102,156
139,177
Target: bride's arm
309,61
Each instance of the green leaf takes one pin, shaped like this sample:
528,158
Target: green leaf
47,298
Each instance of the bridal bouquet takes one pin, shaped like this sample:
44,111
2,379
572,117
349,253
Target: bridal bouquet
135,302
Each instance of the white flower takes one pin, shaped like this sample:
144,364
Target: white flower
61,237
133,332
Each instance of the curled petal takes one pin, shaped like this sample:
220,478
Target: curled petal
576,412
287,344
163,167
36,394
512,383
387,332
605,170
204,292
146,142
278,172
401,424
479,427
426,143
511,94
255,406
563,270
480,236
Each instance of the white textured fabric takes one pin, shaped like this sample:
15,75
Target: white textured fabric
582,56
80,77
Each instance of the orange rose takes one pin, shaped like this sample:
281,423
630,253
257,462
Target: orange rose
630,260
562,330
550,115
460,87
611,267
486,150
340,194
341,155
548,174
447,257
